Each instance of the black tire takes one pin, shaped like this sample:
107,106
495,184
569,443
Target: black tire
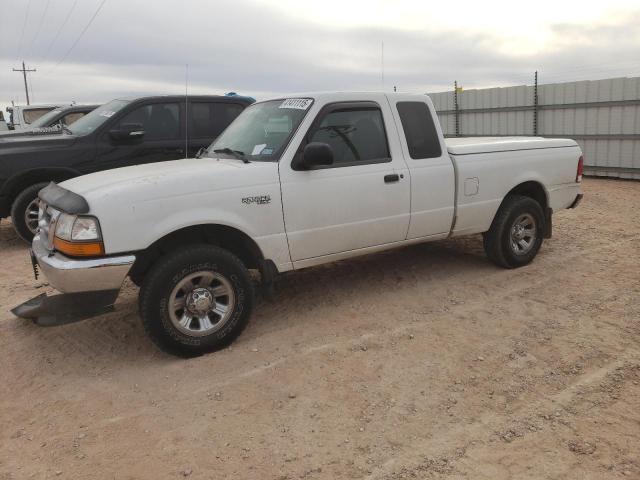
19,208
168,273
497,241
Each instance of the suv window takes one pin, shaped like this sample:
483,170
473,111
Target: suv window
209,119
160,121
419,130
356,136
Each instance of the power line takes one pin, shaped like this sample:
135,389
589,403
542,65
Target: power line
95,14
64,24
33,40
24,26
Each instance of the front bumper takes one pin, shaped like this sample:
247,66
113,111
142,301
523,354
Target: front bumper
70,275
90,286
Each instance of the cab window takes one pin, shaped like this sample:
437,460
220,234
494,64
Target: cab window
419,130
355,134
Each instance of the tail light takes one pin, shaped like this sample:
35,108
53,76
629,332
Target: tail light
580,169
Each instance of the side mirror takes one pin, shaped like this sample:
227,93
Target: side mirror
127,131
317,154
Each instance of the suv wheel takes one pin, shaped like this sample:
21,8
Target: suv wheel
196,300
24,211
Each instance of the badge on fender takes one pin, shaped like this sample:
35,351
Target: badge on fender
260,200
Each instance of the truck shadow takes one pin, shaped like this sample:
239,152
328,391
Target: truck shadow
9,239
118,338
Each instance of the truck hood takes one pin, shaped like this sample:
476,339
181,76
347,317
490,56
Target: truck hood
146,183
25,141
30,132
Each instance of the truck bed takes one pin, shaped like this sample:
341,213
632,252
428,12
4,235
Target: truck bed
468,145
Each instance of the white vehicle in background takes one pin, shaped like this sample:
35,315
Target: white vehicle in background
292,183
22,116
53,121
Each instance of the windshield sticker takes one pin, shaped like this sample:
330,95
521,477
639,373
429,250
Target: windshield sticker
107,114
258,149
297,103
267,151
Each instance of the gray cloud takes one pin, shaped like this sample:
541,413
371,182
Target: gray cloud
137,47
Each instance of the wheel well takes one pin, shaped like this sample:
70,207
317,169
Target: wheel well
229,238
532,190
535,191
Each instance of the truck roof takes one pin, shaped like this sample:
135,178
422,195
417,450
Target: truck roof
229,98
346,96
40,105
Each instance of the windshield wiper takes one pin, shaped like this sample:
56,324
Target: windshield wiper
201,151
236,153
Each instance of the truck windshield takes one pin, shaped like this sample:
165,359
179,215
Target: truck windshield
97,117
262,131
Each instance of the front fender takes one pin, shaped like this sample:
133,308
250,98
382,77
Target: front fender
136,227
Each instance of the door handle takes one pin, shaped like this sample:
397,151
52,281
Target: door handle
392,177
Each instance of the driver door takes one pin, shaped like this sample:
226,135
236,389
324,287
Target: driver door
361,200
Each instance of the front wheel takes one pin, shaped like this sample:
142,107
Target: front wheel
24,211
196,300
516,234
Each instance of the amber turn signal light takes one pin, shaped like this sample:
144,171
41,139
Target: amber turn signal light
79,249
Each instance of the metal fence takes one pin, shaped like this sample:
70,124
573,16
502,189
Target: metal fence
603,116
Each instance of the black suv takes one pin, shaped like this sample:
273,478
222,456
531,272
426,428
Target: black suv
116,134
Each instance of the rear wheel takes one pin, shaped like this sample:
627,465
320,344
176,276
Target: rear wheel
516,234
24,211
196,300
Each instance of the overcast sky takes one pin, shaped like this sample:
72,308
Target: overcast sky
260,47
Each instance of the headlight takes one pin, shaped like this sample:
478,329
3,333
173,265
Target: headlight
78,236
64,226
85,228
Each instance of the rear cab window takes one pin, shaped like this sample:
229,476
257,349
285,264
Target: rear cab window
419,130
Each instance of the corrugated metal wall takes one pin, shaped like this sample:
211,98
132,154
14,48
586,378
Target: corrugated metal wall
603,116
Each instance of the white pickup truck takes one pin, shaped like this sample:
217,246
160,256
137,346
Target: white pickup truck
292,183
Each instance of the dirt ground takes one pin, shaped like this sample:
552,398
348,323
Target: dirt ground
423,362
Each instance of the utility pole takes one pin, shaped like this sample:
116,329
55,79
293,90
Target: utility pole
24,74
